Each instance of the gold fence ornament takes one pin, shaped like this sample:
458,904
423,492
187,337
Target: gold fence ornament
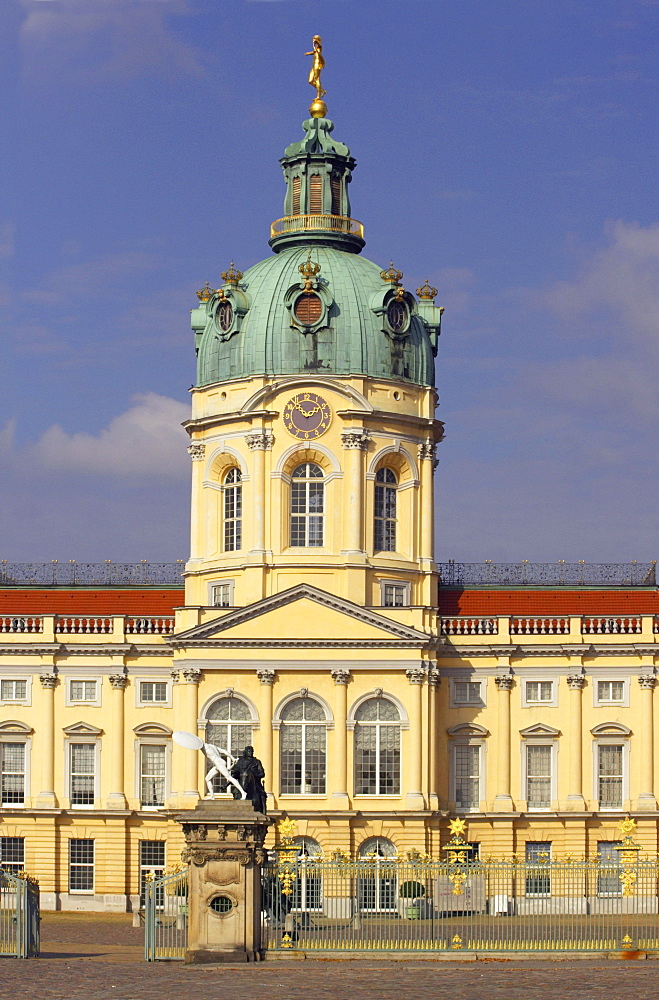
628,854
627,943
456,942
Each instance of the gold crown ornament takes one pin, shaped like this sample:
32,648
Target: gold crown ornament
205,293
232,276
309,269
392,275
426,291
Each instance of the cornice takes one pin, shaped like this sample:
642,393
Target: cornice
235,416
519,650
28,649
302,643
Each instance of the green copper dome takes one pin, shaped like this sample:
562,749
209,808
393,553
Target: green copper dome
315,306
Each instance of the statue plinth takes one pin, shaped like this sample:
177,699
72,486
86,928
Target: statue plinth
224,849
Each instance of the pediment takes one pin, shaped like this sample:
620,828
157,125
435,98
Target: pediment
13,728
152,729
302,615
82,729
468,729
611,729
539,730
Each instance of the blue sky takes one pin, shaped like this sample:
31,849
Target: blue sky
508,151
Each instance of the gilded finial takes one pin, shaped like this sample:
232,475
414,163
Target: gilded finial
426,291
232,276
205,293
392,275
309,269
318,108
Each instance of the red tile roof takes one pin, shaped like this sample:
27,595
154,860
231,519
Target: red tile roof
548,602
56,601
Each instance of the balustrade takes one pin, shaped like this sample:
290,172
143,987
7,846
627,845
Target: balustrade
611,626
21,623
469,626
74,625
539,626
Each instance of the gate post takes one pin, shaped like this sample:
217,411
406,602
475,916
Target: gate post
224,849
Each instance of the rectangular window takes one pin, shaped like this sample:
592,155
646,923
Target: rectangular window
12,774
467,692
152,775
467,777
539,691
335,188
154,691
295,207
538,777
315,194
151,862
82,690
538,873
610,691
608,875
81,866
82,773
394,595
13,690
12,854
222,595
609,776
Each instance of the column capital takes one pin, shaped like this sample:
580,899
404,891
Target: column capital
356,437
266,675
415,675
647,681
340,675
192,675
196,451
175,675
118,681
427,451
48,681
434,676
576,682
504,682
260,440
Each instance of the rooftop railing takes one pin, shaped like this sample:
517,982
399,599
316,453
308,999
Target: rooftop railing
88,574
560,574
320,222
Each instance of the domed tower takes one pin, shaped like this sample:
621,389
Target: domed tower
313,428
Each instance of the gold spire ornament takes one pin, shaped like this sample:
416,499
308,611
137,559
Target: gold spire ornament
426,291
393,275
205,293
232,276
309,270
317,108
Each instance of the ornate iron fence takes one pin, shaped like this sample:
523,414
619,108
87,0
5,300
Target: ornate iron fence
560,574
82,574
166,916
19,915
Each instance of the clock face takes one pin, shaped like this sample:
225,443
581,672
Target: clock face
307,416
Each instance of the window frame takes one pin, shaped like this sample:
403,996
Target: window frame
26,700
251,721
382,523
527,745
551,702
598,702
377,725
404,586
7,739
282,723
146,743
230,584
233,490
306,515
144,869
455,702
456,745
13,867
92,702
77,865
598,746
82,740
145,679
540,869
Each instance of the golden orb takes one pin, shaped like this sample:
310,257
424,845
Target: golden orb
318,108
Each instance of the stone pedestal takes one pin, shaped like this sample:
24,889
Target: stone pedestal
224,848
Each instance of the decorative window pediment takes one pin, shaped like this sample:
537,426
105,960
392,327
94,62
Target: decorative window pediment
13,728
611,729
468,729
539,730
152,729
82,729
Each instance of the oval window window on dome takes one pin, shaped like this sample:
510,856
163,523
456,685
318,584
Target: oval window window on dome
308,308
397,316
224,316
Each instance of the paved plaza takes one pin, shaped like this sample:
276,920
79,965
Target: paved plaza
100,958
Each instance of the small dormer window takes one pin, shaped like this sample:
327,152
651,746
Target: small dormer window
308,308
224,316
397,316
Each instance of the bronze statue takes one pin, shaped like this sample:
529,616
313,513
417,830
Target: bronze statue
317,65
248,770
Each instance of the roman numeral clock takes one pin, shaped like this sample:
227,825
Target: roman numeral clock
307,416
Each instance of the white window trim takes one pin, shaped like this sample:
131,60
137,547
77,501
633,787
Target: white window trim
482,701
395,583
80,892
139,680
539,679
152,741
535,741
70,700
27,741
602,703
27,700
219,583
613,740
82,738
473,742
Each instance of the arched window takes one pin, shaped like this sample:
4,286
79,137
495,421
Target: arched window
308,886
377,748
386,484
233,510
377,889
307,505
229,725
303,743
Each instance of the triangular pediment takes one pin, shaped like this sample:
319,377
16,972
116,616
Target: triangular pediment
539,730
301,614
82,729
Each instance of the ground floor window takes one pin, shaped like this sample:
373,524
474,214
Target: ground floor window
608,876
12,774
12,854
81,865
151,862
538,874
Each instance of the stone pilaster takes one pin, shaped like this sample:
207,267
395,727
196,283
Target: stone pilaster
355,442
47,798
575,799
341,679
267,676
646,796
503,801
117,797
414,798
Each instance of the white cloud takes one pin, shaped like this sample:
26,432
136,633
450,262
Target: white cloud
90,279
147,440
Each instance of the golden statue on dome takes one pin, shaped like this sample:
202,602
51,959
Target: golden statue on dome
318,108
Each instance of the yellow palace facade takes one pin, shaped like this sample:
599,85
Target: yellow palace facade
313,623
